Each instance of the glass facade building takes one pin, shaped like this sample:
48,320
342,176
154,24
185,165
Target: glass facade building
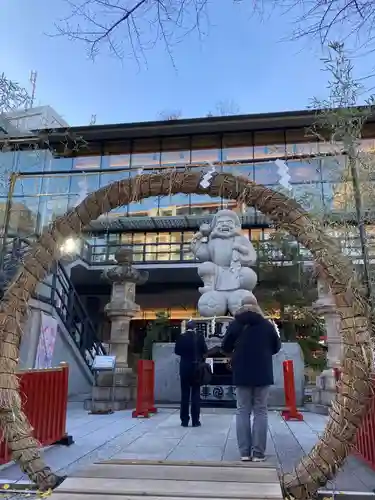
46,185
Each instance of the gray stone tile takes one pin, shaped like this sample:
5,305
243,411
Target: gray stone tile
345,480
362,471
133,455
288,449
168,432
200,437
214,453
231,452
148,444
315,421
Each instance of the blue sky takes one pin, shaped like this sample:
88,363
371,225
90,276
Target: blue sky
240,57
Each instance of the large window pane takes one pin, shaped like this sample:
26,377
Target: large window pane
55,184
305,170
244,169
334,168
30,160
57,164
23,216
86,162
81,186
172,205
204,205
144,208
300,143
107,178
238,147
309,195
116,161
99,249
269,144
266,173
7,165
338,196
205,148
26,186
120,148
50,208
175,151
146,153
116,212
238,154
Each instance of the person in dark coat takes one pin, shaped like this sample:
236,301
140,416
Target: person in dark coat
191,347
252,340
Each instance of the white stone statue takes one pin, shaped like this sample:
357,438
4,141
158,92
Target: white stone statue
225,256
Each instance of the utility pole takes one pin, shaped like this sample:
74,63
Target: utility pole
32,79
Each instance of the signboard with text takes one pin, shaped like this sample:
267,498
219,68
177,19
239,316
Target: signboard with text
104,363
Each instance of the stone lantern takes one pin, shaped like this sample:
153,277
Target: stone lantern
120,310
326,383
122,307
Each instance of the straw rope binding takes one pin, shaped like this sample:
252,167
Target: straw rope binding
323,461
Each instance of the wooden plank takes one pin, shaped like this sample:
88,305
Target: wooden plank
191,463
176,472
84,496
167,488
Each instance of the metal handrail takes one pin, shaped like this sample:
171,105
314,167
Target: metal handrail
64,298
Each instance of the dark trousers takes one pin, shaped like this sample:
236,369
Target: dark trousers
190,392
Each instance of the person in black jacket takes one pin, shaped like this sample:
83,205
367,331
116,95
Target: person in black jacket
253,340
191,347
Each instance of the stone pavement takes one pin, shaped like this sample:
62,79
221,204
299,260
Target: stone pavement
102,437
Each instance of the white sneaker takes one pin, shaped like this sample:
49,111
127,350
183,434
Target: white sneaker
245,459
259,459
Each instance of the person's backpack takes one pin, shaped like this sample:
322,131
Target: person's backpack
202,373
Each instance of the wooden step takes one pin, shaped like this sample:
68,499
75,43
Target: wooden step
181,473
170,488
193,463
163,480
85,496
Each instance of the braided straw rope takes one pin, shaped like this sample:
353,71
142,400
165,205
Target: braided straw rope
323,461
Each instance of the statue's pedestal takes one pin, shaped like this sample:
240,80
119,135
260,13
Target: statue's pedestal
115,395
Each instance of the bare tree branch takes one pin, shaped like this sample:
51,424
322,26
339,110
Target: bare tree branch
12,95
131,27
329,19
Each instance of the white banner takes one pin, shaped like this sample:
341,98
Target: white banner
46,344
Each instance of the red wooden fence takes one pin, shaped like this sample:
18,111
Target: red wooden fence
145,405
365,439
44,396
291,412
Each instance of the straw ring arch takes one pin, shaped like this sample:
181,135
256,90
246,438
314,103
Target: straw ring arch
346,413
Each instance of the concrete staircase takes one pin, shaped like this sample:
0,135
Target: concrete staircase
158,480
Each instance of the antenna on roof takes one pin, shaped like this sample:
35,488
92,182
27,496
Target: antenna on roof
93,120
32,80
